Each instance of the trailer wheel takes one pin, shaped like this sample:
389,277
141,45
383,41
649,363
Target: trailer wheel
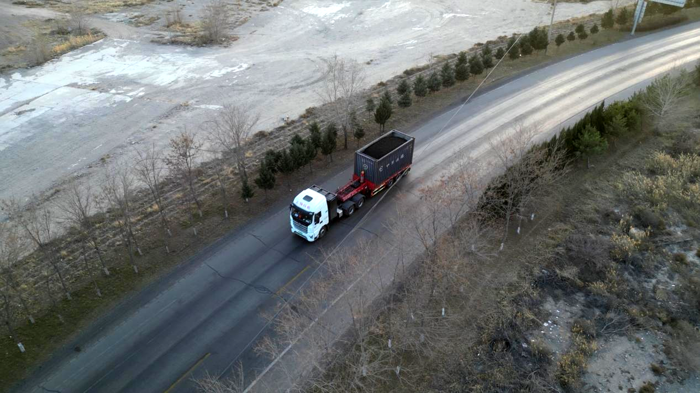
359,200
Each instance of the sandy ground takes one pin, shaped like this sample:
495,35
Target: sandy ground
59,119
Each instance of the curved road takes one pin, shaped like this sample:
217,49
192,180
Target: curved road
197,320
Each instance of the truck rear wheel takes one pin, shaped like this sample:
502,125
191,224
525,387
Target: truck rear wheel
351,209
359,200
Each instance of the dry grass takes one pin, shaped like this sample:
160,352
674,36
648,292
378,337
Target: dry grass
102,6
75,42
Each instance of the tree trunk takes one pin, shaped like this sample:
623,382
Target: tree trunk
345,136
92,275
129,248
99,256
8,320
55,266
53,301
195,199
10,281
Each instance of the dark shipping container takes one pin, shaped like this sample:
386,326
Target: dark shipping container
385,156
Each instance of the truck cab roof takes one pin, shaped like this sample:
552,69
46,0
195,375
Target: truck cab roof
310,200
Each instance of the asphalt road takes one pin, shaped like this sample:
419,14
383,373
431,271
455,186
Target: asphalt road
196,321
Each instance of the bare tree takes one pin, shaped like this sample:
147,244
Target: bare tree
118,191
342,82
663,101
78,17
213,384
39,225
525,169
184,151
12,246
149,169
216,19
78,207
229,130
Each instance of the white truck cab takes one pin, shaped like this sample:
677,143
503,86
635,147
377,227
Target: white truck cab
312,211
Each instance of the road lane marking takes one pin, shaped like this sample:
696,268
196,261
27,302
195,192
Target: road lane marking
279,291
194,366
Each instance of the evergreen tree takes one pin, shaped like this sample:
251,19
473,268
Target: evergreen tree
358,133
487,60
696,74
487,56
270,160
571,36
298,153
525,48
590,143
310,150
315,136
622,17
476,67
608,20
330,139
434,82
370,106
383,114
387,97
461,67
246,191
559,40
616,127
266,179
595,29
582,35
286,165
538,39
420,86
447,75
500,53
513,48
580,28
462,72
403,87
296,140
405,100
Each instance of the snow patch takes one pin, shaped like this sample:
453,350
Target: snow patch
321,11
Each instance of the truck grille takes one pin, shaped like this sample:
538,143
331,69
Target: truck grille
300,227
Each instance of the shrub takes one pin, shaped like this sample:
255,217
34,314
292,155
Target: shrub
595,29
571,37
648,387
681,258
608,20
502,52
622,17
649,218
657,369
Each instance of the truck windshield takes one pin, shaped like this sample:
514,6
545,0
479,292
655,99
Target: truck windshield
301,216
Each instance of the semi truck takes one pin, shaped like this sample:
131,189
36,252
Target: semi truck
378,165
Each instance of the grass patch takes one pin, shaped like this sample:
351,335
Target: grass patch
75,42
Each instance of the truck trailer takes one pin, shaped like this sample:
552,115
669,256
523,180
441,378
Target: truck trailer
378,165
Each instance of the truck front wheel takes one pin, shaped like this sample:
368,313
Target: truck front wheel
322,232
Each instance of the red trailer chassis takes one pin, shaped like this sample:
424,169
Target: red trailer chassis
359,185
